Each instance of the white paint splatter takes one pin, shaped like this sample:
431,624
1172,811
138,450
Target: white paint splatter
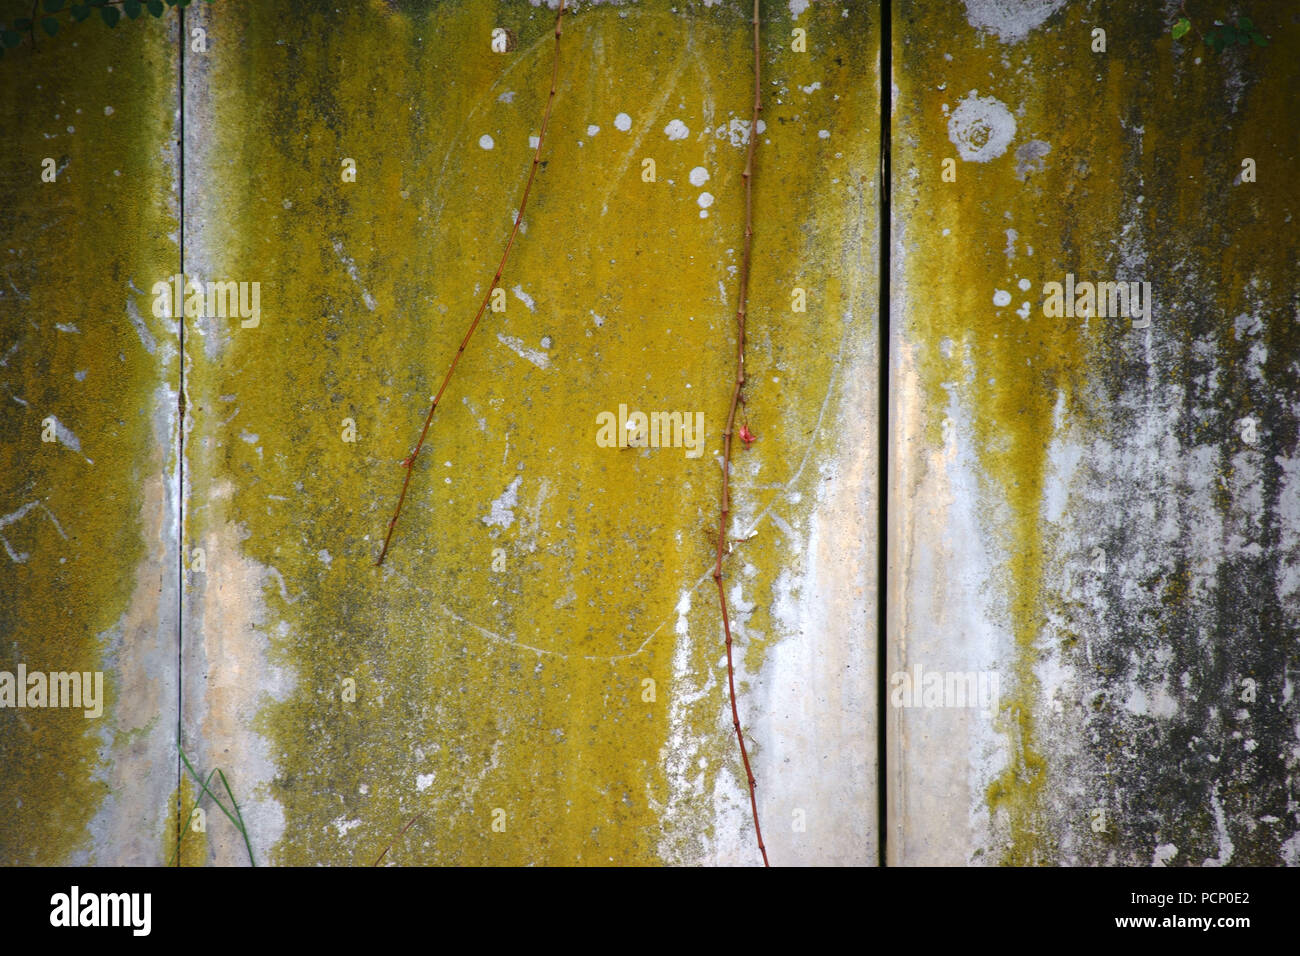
1001,298
676,129
699,176
705,200
622,122
593,130
981,128
1024,285
423,781
485,141
823,134
797,7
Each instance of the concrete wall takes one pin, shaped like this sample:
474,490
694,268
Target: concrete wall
1102,512
1094,518
499,659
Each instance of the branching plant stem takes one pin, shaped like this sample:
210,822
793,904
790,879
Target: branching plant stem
409,463
738,399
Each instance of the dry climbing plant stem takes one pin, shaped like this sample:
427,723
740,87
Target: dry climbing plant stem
409,463
738,399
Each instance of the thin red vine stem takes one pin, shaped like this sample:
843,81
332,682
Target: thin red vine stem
736,400
380,858
409,462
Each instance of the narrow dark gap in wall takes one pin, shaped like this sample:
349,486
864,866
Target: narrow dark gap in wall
882,433
180,429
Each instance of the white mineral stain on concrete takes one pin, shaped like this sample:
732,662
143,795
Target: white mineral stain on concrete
128,826
229,677
503,508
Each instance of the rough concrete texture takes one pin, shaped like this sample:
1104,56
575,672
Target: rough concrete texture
1101,512
537,672
88,380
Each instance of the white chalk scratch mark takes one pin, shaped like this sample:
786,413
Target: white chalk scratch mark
353,274
540,359
524,297
20,557
141,329
67,438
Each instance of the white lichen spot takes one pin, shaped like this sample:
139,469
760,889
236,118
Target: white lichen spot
981,127
676,129
1030,156
1010,20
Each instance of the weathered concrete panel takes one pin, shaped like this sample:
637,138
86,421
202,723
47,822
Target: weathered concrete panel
537,580
1102,512
88,502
